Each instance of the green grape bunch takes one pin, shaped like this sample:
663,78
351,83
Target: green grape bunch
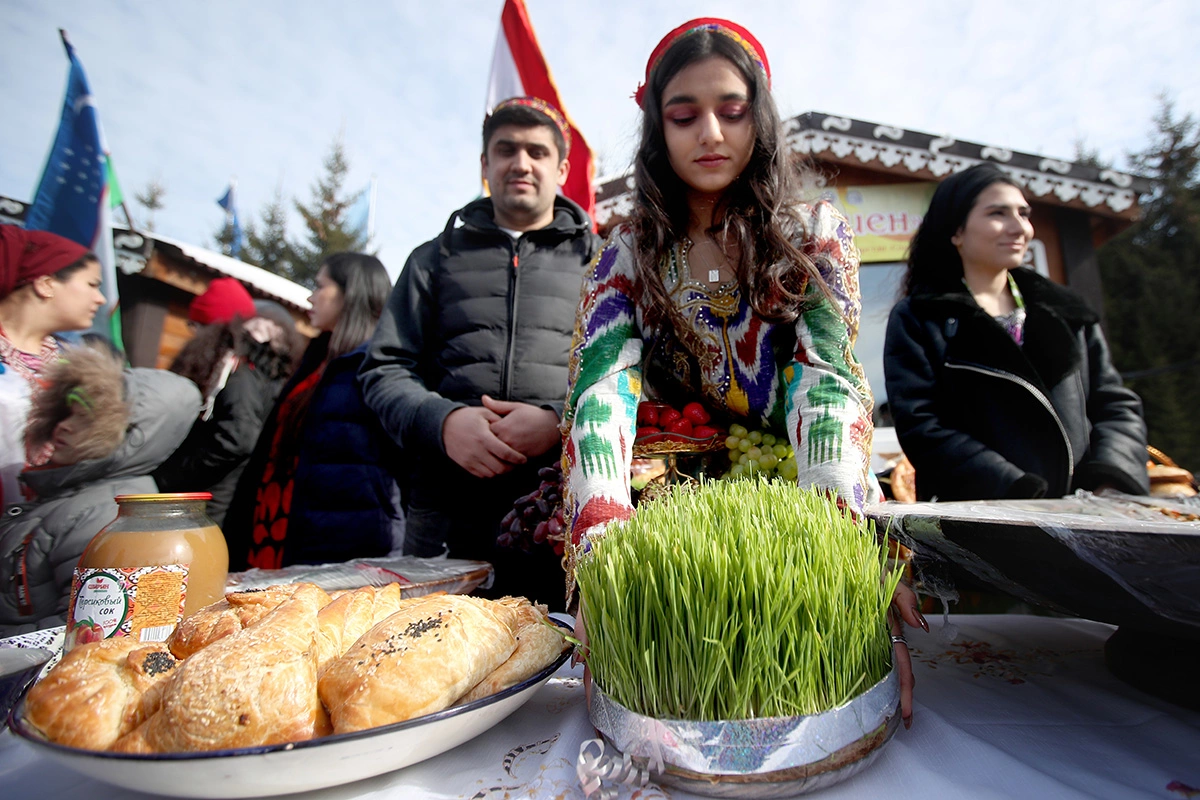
758,453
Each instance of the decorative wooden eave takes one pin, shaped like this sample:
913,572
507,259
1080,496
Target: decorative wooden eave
923,156
913,154
157,256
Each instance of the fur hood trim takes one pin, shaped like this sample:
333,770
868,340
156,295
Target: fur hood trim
88,379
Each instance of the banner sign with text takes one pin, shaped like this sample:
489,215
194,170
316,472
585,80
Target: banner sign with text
884,217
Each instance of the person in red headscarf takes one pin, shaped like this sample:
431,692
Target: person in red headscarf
47,284
725,287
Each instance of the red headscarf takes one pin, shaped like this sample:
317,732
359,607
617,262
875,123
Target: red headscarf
27,255
224,299
715,25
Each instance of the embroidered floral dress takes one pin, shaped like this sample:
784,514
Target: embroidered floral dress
801,378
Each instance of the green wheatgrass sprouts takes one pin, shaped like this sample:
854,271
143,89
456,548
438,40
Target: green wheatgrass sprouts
734,600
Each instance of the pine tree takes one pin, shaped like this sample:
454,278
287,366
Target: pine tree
1151,276
325,220
270,249
151,198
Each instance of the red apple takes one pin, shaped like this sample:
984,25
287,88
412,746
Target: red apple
667,416
649,435
696,413
647,414
681,426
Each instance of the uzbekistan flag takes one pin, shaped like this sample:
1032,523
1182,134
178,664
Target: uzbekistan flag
520,70
78,189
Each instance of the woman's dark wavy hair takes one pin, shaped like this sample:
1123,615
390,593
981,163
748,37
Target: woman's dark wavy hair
201,358
755,214
365,288
933,260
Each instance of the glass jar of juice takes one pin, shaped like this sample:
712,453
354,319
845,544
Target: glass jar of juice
160,560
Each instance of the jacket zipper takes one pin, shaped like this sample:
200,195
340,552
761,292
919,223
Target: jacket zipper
1041,398
509,352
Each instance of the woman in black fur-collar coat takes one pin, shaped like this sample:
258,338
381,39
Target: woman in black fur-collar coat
999,380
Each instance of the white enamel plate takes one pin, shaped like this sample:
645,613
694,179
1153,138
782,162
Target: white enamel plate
301,766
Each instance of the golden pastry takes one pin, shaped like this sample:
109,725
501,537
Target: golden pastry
349,616
94,695
254,687
538,644
417,661
237,611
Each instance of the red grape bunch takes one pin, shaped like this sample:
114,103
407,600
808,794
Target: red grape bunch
536,518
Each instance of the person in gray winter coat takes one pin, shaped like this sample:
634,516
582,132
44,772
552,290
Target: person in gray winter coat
96,431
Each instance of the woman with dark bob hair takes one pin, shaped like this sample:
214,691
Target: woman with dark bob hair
723,288
999,380
321,486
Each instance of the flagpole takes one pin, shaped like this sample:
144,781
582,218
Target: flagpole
229,216
232,201
371,210
128,216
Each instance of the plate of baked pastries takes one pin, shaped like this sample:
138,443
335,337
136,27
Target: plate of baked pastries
291,688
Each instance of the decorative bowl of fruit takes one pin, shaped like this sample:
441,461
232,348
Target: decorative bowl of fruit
664,429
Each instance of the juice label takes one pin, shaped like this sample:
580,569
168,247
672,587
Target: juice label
143,602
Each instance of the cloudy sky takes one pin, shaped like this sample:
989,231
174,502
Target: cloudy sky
193,93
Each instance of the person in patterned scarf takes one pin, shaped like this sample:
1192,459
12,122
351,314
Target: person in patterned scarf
724,288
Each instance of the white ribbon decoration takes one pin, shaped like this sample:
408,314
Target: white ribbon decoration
594,770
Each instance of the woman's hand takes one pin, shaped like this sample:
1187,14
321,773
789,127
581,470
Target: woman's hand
904,607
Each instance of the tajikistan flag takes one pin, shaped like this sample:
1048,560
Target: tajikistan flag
78,190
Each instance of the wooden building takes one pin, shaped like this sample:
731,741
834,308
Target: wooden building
157,278
882,178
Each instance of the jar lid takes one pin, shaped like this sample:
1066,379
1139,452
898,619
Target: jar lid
163,498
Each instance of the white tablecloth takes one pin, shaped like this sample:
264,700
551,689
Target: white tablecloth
1013,707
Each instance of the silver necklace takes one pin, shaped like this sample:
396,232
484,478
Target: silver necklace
714,275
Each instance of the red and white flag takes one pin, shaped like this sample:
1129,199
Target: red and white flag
520,70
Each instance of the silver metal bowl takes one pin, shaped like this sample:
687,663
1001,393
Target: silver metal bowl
756,758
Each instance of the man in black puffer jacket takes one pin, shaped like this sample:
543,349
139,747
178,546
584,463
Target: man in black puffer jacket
468,366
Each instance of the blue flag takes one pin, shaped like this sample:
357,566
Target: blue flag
226,201
360,213
72,198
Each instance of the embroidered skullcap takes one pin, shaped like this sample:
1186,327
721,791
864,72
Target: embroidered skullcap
27,255
541,106
224,299
713,25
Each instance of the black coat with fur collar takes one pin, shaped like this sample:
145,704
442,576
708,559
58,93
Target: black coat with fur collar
981,417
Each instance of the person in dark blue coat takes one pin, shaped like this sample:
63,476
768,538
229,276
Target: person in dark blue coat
322,485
